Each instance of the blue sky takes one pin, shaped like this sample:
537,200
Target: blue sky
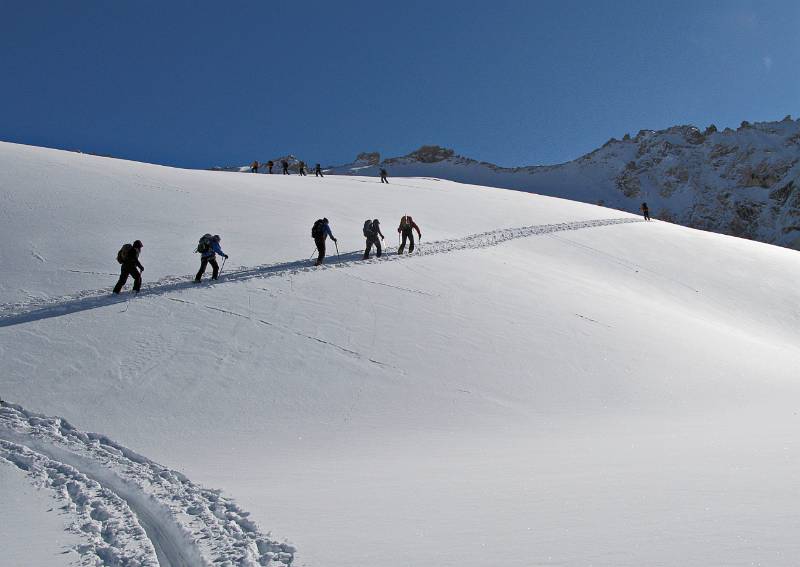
199,83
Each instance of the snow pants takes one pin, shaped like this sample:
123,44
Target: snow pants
407,235
126,271
370,241
320,242
383,179
204,262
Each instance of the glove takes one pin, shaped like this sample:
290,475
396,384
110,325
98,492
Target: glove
226,256
335,240
142,269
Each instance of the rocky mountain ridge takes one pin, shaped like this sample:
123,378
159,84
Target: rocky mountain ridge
743,182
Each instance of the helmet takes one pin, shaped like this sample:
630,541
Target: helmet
376,221
216,238
137,244
325,220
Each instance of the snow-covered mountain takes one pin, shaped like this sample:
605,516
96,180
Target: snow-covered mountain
743,182
542,382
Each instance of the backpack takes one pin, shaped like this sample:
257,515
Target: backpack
122,255
369,230
317,231
204,245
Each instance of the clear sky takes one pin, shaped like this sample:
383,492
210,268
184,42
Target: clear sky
201,83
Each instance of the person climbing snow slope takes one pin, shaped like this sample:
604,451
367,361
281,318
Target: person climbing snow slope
319,232
372,232
128,257
208,247
645,211
406,230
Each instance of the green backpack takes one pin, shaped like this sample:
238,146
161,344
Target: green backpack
122,255
204,245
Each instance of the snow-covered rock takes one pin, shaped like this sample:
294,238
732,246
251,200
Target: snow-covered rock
743,183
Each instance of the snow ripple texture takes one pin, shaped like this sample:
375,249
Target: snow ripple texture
128,509
16,313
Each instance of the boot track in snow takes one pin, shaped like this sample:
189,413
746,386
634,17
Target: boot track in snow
127,509
17,313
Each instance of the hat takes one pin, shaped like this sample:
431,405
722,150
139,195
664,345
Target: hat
137,244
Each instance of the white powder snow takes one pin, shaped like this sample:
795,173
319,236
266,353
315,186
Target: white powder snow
612,394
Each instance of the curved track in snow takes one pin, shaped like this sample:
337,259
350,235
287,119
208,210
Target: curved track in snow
17,313
128,509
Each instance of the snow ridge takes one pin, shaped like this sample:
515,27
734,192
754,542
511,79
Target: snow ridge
17,313
743,182
142,514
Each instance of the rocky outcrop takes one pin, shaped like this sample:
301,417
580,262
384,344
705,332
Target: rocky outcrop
743,182
368,158
430,154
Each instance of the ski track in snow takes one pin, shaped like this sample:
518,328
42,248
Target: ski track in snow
17,313
129,510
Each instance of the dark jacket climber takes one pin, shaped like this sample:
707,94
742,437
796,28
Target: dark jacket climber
319,232
128,257
373,234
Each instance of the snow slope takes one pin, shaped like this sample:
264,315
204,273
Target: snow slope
545,383
24,506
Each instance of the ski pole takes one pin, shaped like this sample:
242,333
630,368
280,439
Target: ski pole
312,253
222,267
336,243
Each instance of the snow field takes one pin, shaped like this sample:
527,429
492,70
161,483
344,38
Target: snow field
618,394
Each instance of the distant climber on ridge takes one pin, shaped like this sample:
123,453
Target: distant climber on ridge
302,168
645,211
208,247
254,167
319,232
406,229
285,166
318,171
372,230
128,256
269,166
384,175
